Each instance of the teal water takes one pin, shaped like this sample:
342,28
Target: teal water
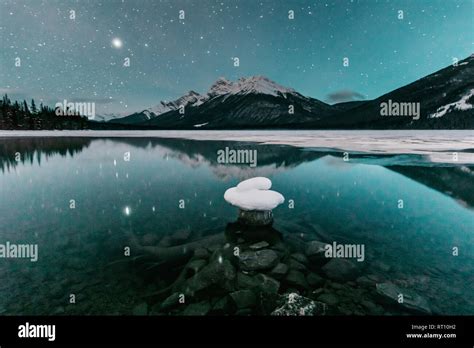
81,250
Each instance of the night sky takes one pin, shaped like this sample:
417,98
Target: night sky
82,59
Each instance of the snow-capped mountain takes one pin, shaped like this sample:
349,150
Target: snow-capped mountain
106,117
189,99
250,85
445,100
254,101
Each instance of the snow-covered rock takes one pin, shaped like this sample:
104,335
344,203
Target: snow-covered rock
255,200
297,305
254,194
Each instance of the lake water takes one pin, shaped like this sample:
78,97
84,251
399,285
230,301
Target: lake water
85,206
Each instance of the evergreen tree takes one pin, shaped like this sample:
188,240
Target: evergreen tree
33,107
25,107
6,100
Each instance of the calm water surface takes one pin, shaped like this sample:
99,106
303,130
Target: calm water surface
136,203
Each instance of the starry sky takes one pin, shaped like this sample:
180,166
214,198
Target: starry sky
82,58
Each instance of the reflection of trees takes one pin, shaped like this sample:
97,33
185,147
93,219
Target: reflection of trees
32,148
455,181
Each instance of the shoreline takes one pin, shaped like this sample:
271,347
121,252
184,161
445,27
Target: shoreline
440,146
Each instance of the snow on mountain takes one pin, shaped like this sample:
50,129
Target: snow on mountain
190,99
257,102
105,117
248,85
254,101
462,104
222,87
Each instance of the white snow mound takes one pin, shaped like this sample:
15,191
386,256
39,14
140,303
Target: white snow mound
254,194
259,183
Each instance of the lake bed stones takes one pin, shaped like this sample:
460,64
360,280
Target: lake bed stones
258,260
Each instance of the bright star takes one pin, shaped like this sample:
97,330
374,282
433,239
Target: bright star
117,43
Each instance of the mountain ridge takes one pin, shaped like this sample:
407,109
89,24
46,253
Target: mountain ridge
258,102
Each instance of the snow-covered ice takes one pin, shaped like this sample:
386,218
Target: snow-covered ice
200,125
436,145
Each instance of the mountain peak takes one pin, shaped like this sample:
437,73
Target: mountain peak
263,85
248,85
222,79
192,93
221,86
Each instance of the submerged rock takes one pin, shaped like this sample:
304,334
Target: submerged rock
364,281
259,283
245,281
259,245
215,273
180,236
295,304
140,309
341,270
170,302
315,251
413,302
314,280
258,260
382,266
329,299
279,271
243,298
244,311
300,258
196,265
201,253
196,309
58,311
267,284
372,307
221,306
296,279
296,265
150,239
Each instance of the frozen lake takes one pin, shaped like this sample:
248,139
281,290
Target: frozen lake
437,145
